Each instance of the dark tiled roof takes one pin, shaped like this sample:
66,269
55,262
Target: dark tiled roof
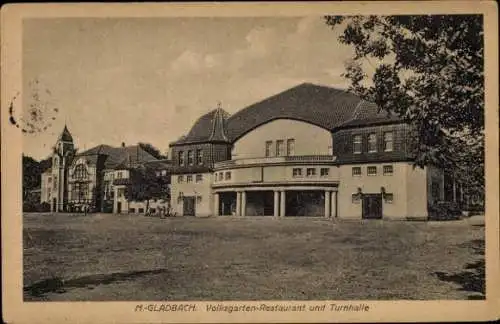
118,157
159,165
66,135
209,127
323,106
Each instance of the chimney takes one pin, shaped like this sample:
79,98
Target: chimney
123,144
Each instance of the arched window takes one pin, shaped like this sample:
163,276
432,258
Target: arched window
80,172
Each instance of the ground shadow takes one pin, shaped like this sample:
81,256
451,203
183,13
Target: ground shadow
57,285
472,279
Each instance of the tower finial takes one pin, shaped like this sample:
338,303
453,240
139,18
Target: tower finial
219,105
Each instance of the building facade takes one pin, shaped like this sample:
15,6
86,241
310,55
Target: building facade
308,151
95,180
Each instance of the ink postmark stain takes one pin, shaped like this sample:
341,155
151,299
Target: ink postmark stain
39,113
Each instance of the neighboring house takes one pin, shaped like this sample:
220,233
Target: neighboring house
308,151
93,179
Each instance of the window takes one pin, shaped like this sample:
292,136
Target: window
280,148
189,178
215,177
49,179
356,199
372,170
181,158
119,175
269,146
180,179
388,170
131,210
356,171
141,210
290,147
388,141
389,198
158,173
311,172
372,142
221,176
356,144
199,178
199,156
80,172
297,172
228,175
121,192
190,158
163,172
198,199
324,172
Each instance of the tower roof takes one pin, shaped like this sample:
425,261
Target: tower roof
65,135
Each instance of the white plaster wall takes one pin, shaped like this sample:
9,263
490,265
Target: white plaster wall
46,187
416,192
252,145
395,184
203,189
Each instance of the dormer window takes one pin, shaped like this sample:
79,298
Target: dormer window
372,143
388,141
356,147
181,157
190,158
199,156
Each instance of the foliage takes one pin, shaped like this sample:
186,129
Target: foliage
428,70
31,175
444,210
145,185
36,206
152,150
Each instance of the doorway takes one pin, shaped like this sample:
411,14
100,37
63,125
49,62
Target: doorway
189,206
372,206
119,207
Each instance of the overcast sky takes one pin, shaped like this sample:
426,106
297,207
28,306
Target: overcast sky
130,80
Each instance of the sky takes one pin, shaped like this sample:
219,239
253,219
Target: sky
114,80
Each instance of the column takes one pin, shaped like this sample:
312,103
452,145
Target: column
283,203
327,203
238,203
333,211
216,204
276,204
243,203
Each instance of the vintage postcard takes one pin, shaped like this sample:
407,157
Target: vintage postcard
250,162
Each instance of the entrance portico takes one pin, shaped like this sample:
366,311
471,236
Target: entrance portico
319,201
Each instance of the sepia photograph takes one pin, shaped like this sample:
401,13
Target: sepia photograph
251,159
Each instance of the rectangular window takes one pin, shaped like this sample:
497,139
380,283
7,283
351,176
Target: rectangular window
121,192
388,170
356,147
163,172
228,175
141,210
190,158
356,171
221,176
297,172
290,147
372,142
269,146
311,172
131,210
199,178
189,178
49,179
389,198
199,156
181,158
324,172
388,142
280,148
119,175
356,198
180,179
198,199
371,170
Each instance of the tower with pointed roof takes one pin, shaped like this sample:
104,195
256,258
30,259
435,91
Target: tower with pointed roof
62,156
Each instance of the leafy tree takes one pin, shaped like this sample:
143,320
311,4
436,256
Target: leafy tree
31,175
428,70
145,185
152,150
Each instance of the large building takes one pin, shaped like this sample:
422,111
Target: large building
308,151
96,179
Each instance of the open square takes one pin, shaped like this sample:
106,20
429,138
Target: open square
104,257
